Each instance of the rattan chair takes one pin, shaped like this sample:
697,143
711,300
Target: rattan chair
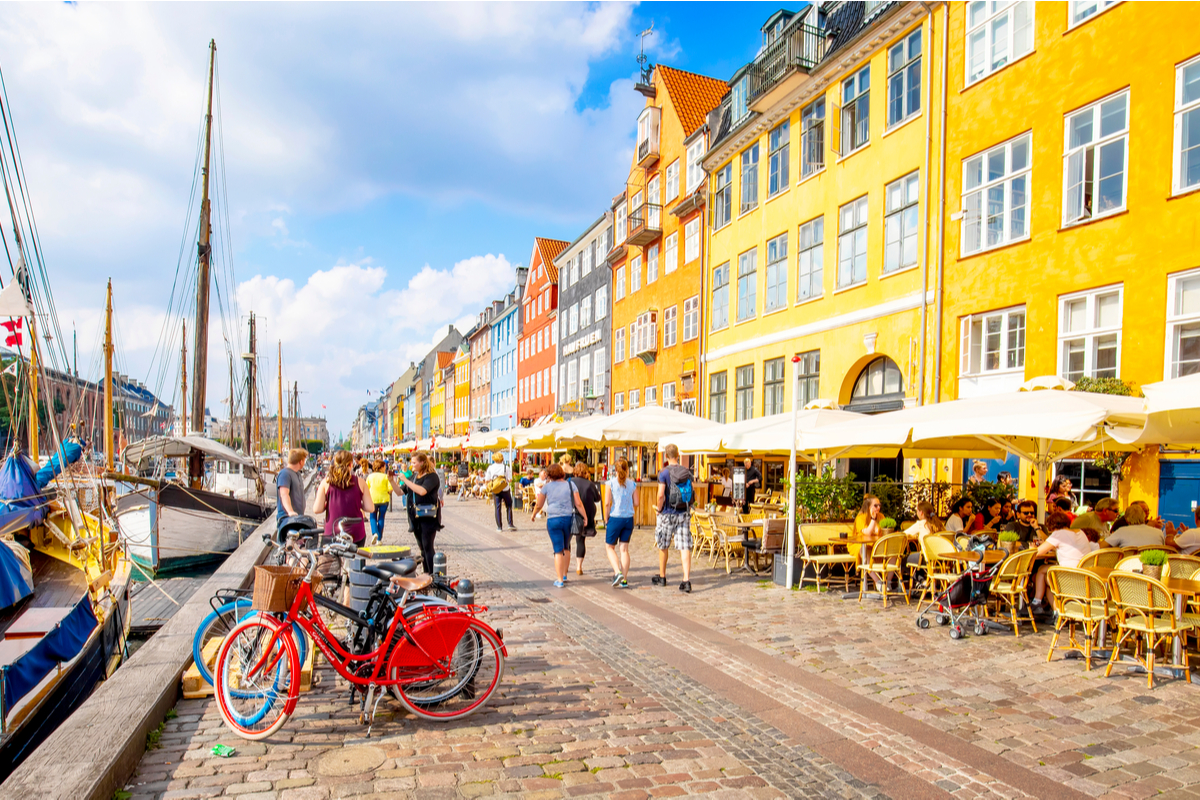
886,560
1145,614
1010,585
1182,566
727,541
1129,564
1081,599
774,531
939,572
1107,557
1166,548
702,537
818,561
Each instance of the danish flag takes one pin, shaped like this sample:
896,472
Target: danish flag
14,331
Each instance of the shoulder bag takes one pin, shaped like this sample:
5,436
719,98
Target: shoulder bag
578,521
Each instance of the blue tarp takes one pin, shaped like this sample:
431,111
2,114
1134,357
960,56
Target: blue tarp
18,489
61,644
16,579
70,451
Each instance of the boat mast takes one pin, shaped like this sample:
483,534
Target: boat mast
295,414
200,352
108,385
279,426
250,359
231,400
183,419
34,450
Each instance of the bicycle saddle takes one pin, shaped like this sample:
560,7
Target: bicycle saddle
404,567
413,584
377,573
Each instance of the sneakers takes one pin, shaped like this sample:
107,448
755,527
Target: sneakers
499,530
658,580
618,580
686,586
560,584
512,527
624,584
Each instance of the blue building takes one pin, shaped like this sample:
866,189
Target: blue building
506,327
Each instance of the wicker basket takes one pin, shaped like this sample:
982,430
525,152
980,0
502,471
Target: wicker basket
1152,571
275,587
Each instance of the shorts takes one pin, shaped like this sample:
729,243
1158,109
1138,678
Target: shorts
673,529
559,529
619,530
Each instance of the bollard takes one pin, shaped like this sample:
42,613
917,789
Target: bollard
439,564
465,592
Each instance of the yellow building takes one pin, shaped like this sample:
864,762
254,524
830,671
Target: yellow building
821,168
1071,239
462,390
440,422
657,254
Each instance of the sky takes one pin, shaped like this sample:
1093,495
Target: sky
379,169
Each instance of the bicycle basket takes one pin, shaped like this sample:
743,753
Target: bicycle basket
275,587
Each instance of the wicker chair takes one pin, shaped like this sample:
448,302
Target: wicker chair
817,561
1182,566
1129,564
1011,583
1107,557
704,538
727,542
1166,548
939,572
886,560
1145,615
1081,599
774,532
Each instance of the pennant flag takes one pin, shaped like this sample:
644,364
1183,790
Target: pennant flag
14,330
11,369
13,302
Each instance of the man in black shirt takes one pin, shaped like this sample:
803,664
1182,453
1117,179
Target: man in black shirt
753,482
1026,525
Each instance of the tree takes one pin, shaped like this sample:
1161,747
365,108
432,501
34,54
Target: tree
314,446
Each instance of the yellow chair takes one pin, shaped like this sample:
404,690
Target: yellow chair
1081,599
886,560
1010,585
774,534
821,532
1183,566
1129,564
727,540
701,533
1107,557
1145,614
940,572
1166,548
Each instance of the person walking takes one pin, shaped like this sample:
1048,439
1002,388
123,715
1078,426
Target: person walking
561,501
343,494
675,496
500,486
289,487
425,504
589,493
620,507
380,486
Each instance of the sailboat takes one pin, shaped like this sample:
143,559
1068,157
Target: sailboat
169,523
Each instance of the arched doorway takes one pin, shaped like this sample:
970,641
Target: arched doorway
879,387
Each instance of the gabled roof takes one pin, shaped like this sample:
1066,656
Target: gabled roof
549,250
445,358
692,95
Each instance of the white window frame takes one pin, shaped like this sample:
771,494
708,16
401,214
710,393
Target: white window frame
572,380
747,285
806,274
619,344
633,340
620,228
812,138
651,395
585,257
670,326
695,172
775,294
635,274
672,183
743,393
618,402
576,263
1177,320
901,222
748,161
720,271
1091,333
779,141
599,371
668,396
722,196
574,317
585,375
691,240
901,75
1189,109
861,98
619,283
1005,184
671,253
975,347
715,394
1094,8
1001,13
775,385
585,312
601,303
651,264
1097,143
691,318
851,235
635,397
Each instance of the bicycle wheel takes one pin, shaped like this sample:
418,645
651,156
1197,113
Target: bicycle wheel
476,666
219,623
256,705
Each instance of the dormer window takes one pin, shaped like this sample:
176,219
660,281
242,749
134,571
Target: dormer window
741,99
648,128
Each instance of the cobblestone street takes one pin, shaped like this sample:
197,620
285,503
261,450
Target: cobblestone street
740,689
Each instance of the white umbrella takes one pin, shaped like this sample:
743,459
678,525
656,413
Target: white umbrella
643,426
492,440
1172,411
713,440
540,435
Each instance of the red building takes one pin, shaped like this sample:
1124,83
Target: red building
537,368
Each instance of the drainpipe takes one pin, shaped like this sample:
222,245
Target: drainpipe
925,227
941,233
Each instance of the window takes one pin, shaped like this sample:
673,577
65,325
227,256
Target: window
773,387
599,367
651,395
691,318
812,138
601,303
998,31
749,178
900,223
998,180
619,344
1094,175
538,392
723,196
879,378
994,342
633,340
652,264
574,314
585,375
572,379
744,393
695,172
856,110
576,263
635,274
1183,324
747,284
669,325
1088,9
808,371
1187,126
619,227
540,304
1089,334
810,262
634,399
619,283
741,99
672,180
778,145
668,396
619,401
691,240
585,312
852,243
720,297
904,78
777,273
585,258
670,253
716,397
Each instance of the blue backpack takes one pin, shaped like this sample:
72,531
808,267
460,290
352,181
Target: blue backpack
680,493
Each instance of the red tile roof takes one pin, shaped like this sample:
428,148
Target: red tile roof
692,95
549,250
445,359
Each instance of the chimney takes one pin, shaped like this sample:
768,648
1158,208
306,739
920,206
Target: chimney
522,273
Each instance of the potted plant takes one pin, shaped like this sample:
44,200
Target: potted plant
1010,542
1152,563
888,525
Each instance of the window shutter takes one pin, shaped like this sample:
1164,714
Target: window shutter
834,118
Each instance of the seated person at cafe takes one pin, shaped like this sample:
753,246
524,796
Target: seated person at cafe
1026,525
1136,534
1068,544
963,518
1121,521
1186,539
867,523
927,524
993,514
1064,505
1099,518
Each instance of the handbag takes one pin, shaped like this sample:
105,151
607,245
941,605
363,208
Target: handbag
578,521
426,511
498,485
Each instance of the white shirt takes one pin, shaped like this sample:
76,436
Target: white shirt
1135,536
498,469
954,523
1188,542
1070,546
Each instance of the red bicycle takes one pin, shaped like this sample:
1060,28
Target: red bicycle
440,661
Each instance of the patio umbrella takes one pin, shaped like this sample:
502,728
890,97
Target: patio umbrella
540,435
713,440
492,440
643,427
1172,411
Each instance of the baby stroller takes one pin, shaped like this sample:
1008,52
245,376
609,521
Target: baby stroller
964,597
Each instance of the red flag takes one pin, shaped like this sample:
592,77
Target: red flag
14,331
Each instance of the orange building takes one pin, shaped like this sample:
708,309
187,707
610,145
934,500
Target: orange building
658,244
537,370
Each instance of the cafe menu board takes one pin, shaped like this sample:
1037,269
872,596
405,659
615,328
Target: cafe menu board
739,484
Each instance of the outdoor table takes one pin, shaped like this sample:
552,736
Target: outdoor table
745,527
971,556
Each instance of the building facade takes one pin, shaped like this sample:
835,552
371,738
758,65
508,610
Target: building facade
505,334
479,342
656,258
462,388
537,369
584,323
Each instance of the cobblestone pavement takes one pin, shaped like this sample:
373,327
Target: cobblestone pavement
740,689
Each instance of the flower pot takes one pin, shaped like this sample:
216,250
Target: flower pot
1009,547
1152,571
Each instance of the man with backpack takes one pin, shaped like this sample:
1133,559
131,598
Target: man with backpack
675,496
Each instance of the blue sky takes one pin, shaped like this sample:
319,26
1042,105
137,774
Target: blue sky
386,165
